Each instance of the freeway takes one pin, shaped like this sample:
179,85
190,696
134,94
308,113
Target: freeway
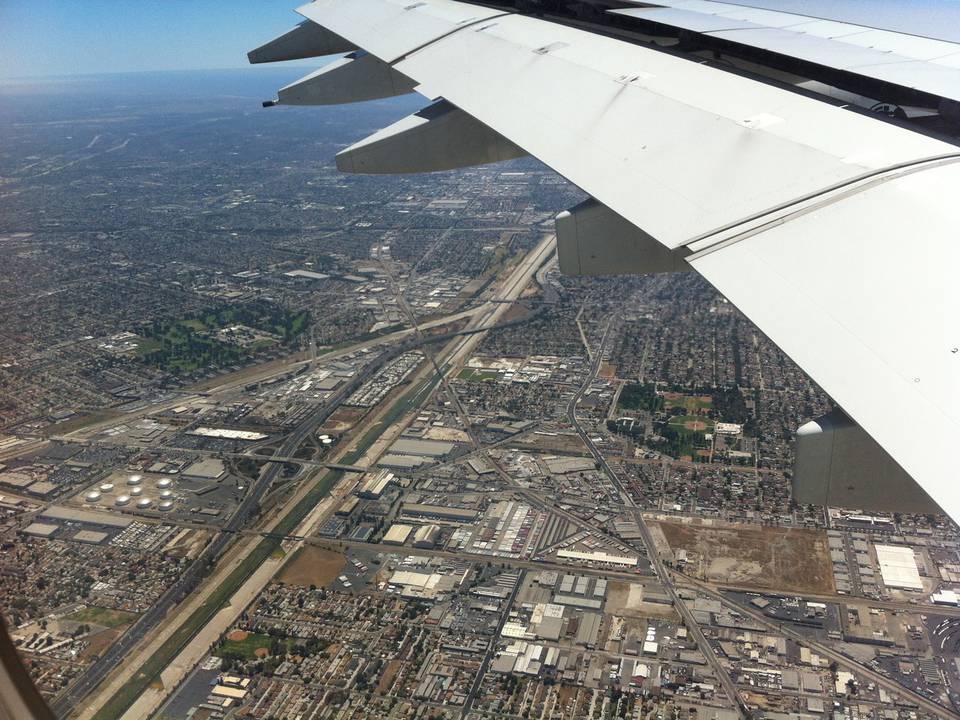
244,513
484,318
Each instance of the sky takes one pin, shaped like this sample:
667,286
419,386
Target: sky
70,37
77,37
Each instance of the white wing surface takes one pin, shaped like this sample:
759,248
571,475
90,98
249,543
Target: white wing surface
925,64
835,232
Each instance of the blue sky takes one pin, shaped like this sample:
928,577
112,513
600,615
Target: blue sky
66,37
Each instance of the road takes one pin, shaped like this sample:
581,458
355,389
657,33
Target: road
656,562
483,318
491,647
824,650
244,513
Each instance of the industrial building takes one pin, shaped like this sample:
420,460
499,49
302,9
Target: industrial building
44,530
898,567
426,536
397,534
88,517
402,462
206,469
94,537
427,448
596,556
348,506
438,512
227,434
375,484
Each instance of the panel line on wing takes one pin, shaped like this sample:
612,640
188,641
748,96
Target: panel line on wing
462,26
761,222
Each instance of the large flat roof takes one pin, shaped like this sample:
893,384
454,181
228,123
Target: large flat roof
414,446
418,509
67,514
41,529
898,566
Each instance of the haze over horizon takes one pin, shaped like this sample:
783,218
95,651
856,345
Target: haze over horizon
75,37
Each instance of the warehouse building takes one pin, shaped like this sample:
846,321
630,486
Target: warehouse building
375,484
402,462
426,448
348,506
88,517
438,512
603,558
898,567
397,534
426,536
43,530
206,469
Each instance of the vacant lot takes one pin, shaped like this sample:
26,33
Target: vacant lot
312,566
787,559
105,617
343,419
100,641
626,600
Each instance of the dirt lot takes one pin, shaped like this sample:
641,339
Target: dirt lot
786,559
343,419
386,680
101,641
312,566
626,600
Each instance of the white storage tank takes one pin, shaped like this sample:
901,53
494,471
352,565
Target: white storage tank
136,491
106,487
92,496
165,505
164,483
134,479
122,500
144,503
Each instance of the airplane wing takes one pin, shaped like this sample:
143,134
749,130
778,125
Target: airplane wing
832,229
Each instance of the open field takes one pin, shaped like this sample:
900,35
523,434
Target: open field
787,559
101,641
312,566
342,419
105,617
478,375
691,403
245,644
696,423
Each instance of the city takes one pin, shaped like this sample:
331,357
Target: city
282,443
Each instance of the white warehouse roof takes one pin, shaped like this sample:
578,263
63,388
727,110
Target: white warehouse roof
898,566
